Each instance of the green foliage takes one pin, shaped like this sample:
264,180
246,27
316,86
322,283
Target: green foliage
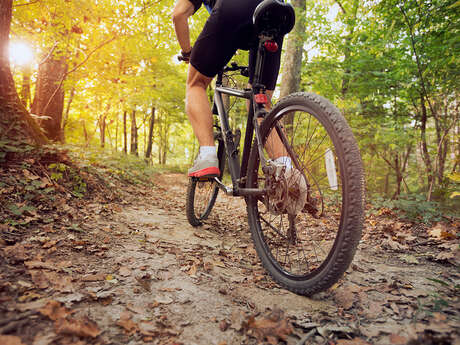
70,176
455,189
414,207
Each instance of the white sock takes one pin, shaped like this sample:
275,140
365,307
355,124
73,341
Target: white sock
207,151
285,160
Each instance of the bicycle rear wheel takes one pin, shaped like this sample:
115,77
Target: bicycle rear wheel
202,192
307,249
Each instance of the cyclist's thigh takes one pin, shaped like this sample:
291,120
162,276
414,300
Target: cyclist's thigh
224,32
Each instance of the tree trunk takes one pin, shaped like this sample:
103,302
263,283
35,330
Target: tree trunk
15,121
102,125
49,96
66,113
116,133
290,81
425,154
85,133
133,149
148,152
25,87
125,134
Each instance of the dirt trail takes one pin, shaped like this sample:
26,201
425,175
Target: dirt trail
143,275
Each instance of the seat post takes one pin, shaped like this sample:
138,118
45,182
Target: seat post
260,59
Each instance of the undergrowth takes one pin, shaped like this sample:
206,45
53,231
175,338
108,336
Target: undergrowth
46,185
415,208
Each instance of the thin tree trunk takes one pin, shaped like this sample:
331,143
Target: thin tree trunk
102,125
85,133
116,133
125,134
134,148
66,113
148,152
25,87
425,154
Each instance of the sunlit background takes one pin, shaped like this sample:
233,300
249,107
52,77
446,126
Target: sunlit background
21,54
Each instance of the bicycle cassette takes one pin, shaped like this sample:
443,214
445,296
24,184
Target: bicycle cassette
287,191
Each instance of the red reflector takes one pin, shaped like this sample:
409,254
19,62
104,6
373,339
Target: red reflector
261,98
271,46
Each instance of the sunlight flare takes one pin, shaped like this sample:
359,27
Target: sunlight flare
21,54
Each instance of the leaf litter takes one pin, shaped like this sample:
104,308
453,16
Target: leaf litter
129,275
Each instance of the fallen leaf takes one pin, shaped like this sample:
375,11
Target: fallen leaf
390,243
29,175
144,282
397,339
344,298
164,300
41,264
39,279
410,259
32,305
93,277
126,323
83,327
441,232
49,244
238,319
54,310
124,271
44,338
17,252
192,270
271,327
223,325
374,310
148,329
10,340
29,296
355,341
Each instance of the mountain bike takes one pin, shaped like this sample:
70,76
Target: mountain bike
306,220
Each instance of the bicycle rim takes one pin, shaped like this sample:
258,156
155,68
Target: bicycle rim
309,251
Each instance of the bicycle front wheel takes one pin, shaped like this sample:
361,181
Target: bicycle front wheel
307,227
202,193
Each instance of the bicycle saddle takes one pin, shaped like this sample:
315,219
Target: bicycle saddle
274,17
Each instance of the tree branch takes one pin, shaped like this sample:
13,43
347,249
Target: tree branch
341,7
75,68
27,3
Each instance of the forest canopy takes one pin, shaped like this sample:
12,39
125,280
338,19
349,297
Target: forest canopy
104,73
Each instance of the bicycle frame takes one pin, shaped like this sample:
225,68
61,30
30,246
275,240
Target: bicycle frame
256,110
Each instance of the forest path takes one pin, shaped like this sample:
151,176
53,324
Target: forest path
137,273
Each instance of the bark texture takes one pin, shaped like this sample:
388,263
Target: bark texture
49,96
15,120
148,152
290,81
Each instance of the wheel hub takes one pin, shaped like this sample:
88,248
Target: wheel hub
286,190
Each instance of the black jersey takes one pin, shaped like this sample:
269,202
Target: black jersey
209,4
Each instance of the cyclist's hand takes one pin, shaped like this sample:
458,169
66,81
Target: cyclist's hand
185,56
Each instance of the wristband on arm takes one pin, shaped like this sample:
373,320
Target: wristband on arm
185,56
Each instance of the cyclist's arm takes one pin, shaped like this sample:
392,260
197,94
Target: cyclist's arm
182,11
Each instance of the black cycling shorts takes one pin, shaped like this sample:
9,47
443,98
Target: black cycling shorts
228,29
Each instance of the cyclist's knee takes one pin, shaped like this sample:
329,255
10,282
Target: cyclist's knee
197,79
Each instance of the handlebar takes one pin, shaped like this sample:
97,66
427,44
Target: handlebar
235,67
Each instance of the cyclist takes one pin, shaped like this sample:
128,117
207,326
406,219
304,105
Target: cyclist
228,28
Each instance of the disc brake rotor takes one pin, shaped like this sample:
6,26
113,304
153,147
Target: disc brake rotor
287,191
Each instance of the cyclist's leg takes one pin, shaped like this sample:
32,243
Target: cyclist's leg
273,145
198,108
